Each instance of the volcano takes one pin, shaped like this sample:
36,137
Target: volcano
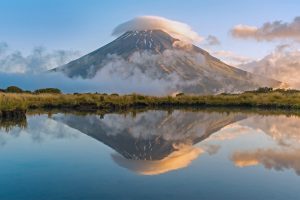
159,56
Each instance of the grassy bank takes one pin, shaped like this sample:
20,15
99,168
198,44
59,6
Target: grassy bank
10,102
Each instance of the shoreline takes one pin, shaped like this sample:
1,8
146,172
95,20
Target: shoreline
14,105
20,120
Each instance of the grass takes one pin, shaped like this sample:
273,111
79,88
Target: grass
14,106
270,99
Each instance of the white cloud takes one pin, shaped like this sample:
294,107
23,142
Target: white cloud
211,40
37,61
232,58
3,48
282,64
269,31
176,29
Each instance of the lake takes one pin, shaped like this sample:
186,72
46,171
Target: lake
156,154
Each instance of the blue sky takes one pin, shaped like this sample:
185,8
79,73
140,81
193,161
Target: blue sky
86,25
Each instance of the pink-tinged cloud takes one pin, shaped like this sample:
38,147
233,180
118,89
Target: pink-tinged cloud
276,30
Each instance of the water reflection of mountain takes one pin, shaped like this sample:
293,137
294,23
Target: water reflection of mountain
155,142
153,135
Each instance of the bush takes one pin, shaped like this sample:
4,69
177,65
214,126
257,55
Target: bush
101,98
292,91
264,90
280,90
48,90
13,89
179,94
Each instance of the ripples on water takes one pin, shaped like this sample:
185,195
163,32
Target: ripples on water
151,155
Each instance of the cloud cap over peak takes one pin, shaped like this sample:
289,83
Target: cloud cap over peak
176,29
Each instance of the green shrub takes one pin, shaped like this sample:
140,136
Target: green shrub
180,94
264,90
101,98
13,89
280,90
48,90
292,91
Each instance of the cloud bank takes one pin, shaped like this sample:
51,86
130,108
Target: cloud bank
176,29
282,64
101,83
38,60
232,58
29,73
276,30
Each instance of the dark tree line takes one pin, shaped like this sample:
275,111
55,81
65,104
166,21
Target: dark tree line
15,89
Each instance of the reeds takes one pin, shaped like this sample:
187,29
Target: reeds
269,99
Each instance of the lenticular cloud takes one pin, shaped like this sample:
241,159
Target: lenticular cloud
176,29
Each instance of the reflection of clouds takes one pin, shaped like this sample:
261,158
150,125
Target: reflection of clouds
278,159
2,139
6,135
282,129
178,159
39,129
230,132
42,127
211,149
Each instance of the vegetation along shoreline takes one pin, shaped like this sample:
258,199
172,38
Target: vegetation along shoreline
14,102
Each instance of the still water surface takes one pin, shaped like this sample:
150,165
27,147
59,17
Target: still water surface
151,155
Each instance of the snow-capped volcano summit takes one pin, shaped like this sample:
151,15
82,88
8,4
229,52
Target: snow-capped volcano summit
159,56
152,40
